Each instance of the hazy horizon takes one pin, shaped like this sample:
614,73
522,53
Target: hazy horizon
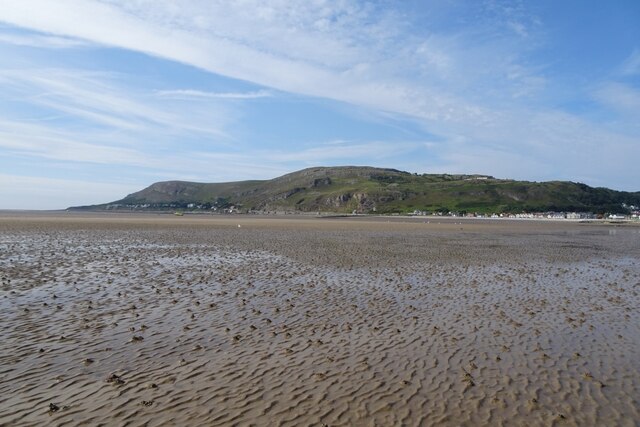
101,99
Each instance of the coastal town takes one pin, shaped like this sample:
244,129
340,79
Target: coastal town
626,213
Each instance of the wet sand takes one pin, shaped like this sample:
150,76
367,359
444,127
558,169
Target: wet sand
161,320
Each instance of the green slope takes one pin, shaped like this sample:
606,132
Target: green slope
367,190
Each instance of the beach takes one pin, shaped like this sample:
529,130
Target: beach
150,319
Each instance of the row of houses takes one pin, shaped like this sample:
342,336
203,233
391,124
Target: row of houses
557,215
635,215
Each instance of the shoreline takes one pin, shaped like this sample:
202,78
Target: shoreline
435,219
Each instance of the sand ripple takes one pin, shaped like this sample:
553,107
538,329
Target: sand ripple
140,323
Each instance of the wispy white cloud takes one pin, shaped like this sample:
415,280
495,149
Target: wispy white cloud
32,139
41,41
620,97
631,65
56,193
40,141
543,147
199,94
275,46
100,98
518,28
349,152
263,164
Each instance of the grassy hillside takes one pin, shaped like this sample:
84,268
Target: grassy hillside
368,190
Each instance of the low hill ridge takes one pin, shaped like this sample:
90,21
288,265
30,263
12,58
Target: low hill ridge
366,189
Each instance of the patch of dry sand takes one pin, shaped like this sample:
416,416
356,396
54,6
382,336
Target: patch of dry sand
156,320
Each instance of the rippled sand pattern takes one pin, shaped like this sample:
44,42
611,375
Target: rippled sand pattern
165,321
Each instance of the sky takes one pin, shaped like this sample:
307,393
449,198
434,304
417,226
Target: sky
101,98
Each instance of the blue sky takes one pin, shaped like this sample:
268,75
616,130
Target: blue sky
99,99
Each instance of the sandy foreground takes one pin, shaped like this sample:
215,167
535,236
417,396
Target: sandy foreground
162,320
